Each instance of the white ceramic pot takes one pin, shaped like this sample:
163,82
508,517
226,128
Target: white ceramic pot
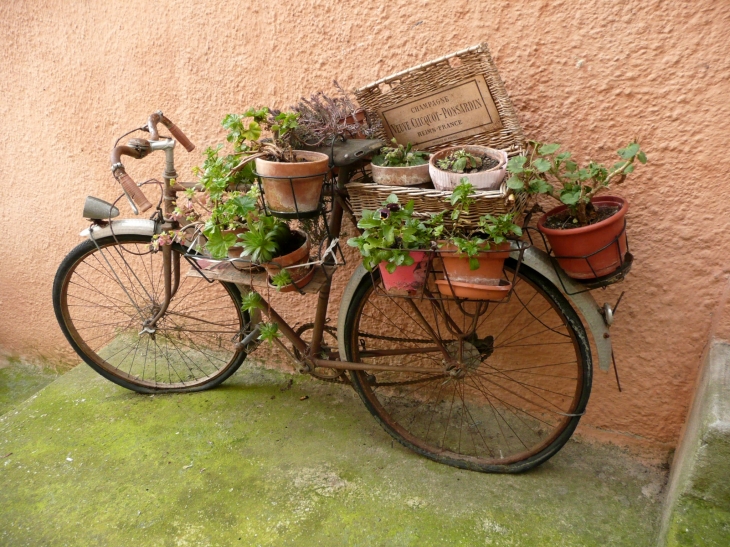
483,180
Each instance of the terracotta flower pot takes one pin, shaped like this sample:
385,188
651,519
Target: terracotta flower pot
298,256
300,283
406,278
400,176
301,187
359,117
474,291
587,241
489,272
483,180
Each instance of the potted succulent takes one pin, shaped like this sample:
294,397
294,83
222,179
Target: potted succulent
271,243
292,179
398,242
473,257
586,232
400,165
484,167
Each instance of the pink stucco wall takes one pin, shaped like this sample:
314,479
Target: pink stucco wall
591,75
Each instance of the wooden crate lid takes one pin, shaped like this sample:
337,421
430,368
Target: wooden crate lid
456,99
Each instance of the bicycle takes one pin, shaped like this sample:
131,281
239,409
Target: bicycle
494,387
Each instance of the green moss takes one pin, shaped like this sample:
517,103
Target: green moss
92,463
698,523
19,381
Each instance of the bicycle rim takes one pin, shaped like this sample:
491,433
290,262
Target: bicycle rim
524,379
103,294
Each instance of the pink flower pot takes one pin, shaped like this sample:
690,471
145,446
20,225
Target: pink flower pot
406,278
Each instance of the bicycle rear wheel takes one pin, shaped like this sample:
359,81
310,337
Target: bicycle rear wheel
102,295
523,382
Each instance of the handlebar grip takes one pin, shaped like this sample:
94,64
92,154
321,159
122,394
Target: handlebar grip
180,137
133,191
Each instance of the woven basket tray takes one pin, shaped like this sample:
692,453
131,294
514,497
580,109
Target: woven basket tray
467,79
496,202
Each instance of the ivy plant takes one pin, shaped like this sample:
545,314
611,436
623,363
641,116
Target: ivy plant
546,170
391,232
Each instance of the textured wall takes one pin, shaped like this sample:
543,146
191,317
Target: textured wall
591,75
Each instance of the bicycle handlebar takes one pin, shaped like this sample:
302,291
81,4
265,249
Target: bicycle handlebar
138,149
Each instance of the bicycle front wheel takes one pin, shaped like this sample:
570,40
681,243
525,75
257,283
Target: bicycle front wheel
516,395
105,290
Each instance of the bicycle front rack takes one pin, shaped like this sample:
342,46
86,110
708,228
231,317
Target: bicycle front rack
436,272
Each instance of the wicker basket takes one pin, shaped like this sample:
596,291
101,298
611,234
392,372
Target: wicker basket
495,202
418,89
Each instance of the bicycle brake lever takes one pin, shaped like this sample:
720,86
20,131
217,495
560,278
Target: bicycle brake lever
131,202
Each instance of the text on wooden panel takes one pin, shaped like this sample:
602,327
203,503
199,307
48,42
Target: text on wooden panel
440,116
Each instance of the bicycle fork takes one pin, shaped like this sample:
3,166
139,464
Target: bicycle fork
171,279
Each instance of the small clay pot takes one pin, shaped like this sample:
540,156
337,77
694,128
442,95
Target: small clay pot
299,256
400,176
588,240
483,180
406,278
301,187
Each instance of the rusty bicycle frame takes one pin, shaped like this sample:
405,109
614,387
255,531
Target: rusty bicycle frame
140,148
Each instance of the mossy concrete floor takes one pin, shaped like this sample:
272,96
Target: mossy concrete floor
85,462
19,380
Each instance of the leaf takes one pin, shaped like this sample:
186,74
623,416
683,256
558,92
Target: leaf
514,183
570,197
641,157
630,151
218,243
460,165
629,168
392,198
516,164
542,165
547,149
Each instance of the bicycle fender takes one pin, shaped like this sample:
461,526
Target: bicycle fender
584,302
347,295
125,226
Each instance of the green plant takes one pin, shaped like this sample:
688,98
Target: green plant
491,230
228,213
251,301
282,279
391,232
264,238
459,161
546,171
400,156
268,332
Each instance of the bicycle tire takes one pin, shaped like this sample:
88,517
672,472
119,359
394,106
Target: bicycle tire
104,290
502,396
